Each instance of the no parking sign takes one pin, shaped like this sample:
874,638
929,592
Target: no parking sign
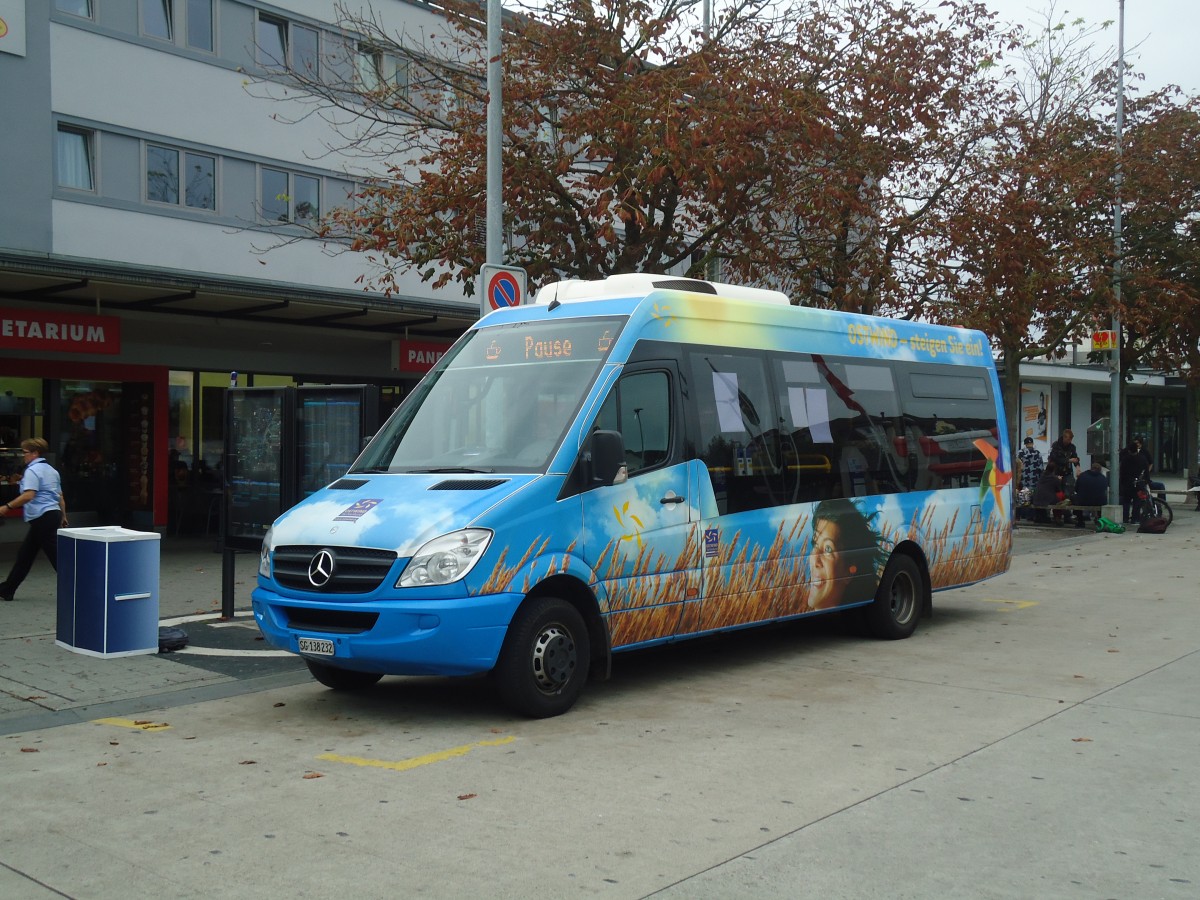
500,287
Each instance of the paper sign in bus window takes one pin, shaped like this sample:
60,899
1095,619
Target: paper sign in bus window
810,409
729,411
800,371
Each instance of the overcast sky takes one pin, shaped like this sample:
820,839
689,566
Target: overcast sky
1162,37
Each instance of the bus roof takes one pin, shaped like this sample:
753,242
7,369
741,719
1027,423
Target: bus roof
641,283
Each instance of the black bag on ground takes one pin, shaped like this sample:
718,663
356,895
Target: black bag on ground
1157,525
171,639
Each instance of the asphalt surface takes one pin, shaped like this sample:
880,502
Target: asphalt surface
1036,738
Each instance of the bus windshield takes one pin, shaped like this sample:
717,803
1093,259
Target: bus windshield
500,401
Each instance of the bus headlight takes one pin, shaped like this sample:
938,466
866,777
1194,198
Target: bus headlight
264,556
446,559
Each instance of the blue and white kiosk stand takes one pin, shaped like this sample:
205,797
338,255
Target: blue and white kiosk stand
108,591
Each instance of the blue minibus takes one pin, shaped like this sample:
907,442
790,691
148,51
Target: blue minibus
640,460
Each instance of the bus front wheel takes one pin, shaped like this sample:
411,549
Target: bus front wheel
544,662
898,600
341,679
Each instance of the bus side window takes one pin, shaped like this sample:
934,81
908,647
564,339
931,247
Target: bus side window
839,416
640,408
738,430
949,412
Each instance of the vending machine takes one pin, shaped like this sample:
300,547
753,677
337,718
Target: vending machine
259,469
284,443
333,424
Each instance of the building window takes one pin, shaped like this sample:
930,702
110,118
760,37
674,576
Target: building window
306,57
73,156
286,45
382,72
199,181
157,20
200,25
306,204
75,7
274,195
271,37
287,197
163,177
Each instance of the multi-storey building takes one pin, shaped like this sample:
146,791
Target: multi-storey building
153,213
155,195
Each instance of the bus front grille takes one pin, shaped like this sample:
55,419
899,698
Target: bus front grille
345,570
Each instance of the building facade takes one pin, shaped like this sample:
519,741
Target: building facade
154,204
156,185
1158,409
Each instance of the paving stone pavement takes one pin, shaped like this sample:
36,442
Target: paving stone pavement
42,684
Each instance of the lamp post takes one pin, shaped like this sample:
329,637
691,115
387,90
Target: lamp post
1114,396
495,200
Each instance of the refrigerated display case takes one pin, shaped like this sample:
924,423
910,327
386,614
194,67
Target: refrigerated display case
332,425
259,479
284,443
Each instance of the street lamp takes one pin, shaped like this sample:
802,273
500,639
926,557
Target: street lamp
1114,395
495,201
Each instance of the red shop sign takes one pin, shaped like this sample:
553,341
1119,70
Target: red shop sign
416,356
28,329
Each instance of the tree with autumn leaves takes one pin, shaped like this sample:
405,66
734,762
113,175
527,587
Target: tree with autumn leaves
868,155
1031,255
1036,259
1160,271
815,147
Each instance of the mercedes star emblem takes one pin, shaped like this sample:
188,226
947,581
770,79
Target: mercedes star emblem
321,568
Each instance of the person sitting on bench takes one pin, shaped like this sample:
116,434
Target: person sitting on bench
1091,489
1049,492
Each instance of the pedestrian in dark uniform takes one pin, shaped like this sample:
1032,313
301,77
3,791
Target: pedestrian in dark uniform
1130,466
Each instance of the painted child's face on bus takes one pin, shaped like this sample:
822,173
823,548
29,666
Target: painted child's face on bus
826,564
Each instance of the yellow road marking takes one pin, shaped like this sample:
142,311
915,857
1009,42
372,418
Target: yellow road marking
404,765
139,724
1014,604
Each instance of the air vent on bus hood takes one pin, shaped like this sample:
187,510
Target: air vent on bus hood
468,484
347,484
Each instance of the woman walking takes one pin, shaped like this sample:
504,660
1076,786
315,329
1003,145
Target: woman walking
45,511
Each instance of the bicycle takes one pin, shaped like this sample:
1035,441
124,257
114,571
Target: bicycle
1147,505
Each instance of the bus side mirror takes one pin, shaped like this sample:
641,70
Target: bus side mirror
608,457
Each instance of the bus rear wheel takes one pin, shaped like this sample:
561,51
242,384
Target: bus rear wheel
898,600
341,679
544,662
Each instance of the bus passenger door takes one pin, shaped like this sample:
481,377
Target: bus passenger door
642,535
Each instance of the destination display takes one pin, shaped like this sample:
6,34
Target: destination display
574,340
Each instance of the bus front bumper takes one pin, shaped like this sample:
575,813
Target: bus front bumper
421,637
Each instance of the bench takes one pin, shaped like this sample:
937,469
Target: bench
1065,507
1183,496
